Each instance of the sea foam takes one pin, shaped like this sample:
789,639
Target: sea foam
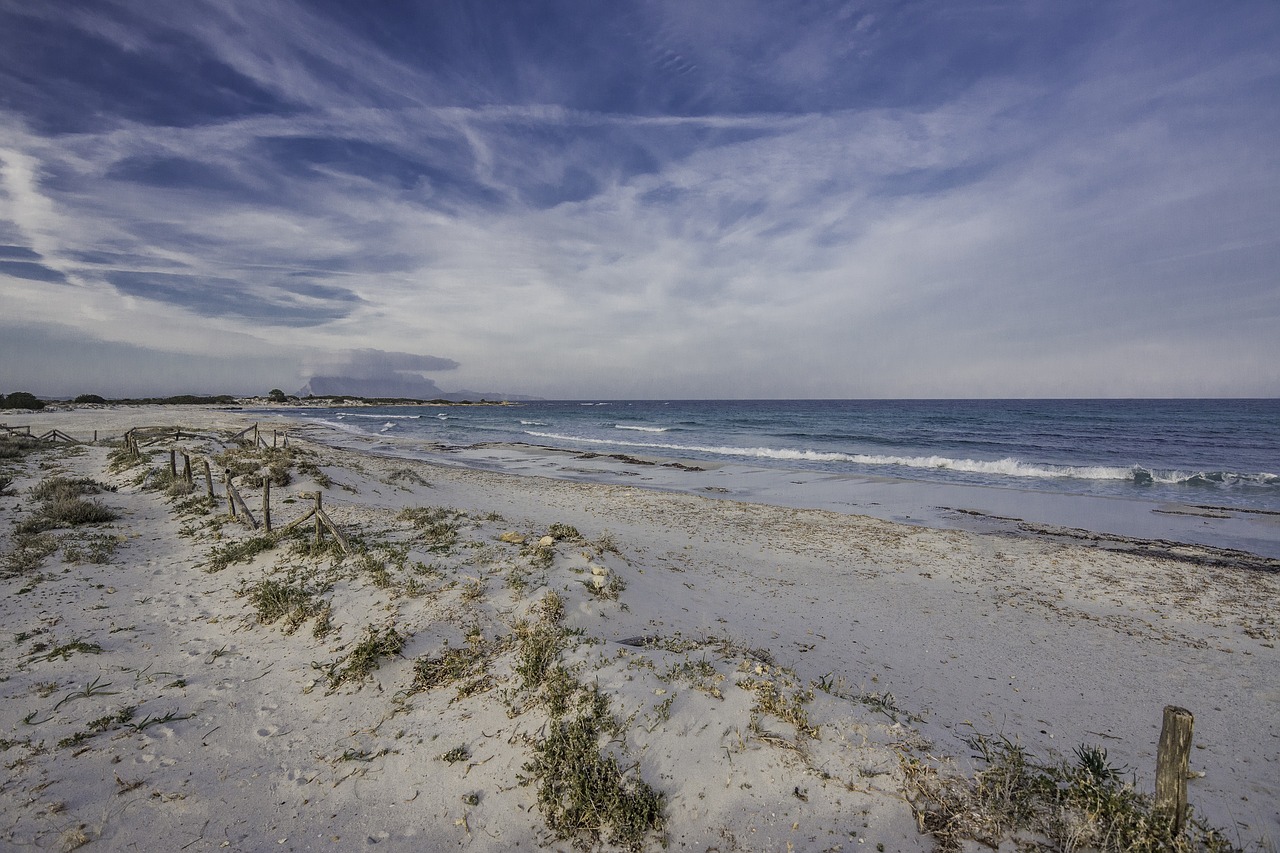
1006,467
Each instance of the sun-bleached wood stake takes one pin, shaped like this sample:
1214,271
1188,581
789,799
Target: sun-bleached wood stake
1172,759
266,502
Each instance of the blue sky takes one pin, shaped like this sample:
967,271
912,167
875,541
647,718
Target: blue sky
649,199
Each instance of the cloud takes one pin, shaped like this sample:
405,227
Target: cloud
842,199
375,373
375,364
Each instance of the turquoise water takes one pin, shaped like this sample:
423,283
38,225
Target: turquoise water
1199,452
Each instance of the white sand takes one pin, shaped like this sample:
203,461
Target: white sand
1050,645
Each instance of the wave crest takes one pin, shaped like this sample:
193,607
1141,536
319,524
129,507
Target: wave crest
1006,467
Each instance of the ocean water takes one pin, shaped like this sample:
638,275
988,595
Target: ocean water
1197,452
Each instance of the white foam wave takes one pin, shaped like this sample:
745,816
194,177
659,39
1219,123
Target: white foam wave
1007,467
387,426
379,417
533,423
339,425
640,428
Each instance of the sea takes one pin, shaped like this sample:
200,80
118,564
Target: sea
1202,470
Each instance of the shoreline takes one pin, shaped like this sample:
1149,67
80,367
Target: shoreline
1048,642
1242,536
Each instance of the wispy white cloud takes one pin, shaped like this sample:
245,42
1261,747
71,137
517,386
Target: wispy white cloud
732,220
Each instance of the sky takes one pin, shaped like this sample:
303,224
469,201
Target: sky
650,199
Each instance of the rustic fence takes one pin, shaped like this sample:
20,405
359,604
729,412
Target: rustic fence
52,436
237,506
137,438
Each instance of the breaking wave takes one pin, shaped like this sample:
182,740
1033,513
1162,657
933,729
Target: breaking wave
1007,467
640,428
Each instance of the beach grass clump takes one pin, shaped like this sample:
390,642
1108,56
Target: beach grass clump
583,792
550,609
58,488
240,551
61,504
17,446
367,655
6,486
289,599
251,465
406,475
539,646
701,674
28,554
195,505
1066,805
437,526
65,650
96,548
450,666
73,512
122,459
778,695
467,667
565,533
473,591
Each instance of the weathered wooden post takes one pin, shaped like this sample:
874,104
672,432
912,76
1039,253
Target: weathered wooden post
186,467
231,502
208,479
255,435
173,462
266,502
95,436
319,521
275,435
1172,758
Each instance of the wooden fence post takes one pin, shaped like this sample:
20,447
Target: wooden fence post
319,523
231,502
208,478
1172,759
186,467
173,462
266,502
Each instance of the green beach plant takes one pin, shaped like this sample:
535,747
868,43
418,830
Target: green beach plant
583,792
364,658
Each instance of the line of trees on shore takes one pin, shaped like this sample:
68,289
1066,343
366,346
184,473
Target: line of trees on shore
30,402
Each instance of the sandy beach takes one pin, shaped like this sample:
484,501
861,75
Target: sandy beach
746,676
